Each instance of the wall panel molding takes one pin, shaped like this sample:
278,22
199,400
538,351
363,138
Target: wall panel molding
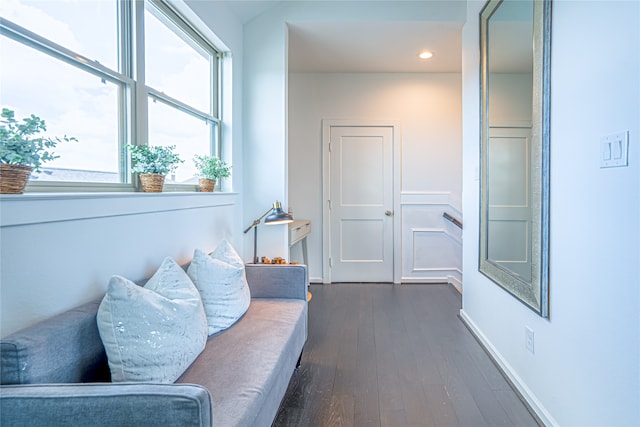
431,245
453,201
456,238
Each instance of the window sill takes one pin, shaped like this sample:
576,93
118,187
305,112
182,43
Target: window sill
38,208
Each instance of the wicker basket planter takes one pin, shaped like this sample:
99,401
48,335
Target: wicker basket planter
13,178
151,182
206,184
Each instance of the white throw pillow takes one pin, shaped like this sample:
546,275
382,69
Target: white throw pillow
152,333
222,283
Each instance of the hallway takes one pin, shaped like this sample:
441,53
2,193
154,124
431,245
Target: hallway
385,355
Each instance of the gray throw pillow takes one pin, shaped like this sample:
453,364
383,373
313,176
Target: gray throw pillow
221,280
152,333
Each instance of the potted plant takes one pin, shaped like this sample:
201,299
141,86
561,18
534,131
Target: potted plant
23,149
152,163
210,169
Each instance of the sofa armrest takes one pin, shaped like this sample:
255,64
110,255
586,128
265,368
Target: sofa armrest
105,404
277,281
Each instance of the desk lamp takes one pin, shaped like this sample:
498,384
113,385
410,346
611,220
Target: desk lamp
275,216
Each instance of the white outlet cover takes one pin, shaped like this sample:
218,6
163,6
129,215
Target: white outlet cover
614,150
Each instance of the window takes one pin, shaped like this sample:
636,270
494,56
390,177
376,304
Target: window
72,64
171,126
180,81
71,24
72,102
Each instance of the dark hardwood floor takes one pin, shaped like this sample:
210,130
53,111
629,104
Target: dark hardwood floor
385,355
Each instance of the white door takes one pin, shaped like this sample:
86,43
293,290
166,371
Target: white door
509,216
361,203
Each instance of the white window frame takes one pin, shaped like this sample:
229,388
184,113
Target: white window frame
133,114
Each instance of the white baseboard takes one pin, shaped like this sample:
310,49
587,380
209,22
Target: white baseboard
533,402
456,282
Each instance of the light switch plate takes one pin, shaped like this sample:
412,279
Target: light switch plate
529,339
614,150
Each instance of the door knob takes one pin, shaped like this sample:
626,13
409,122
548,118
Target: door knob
388,213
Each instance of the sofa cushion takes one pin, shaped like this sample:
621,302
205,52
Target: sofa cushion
152,333
221,281
105,405
247,367
65,348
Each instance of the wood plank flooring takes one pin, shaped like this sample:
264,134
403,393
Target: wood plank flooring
385,355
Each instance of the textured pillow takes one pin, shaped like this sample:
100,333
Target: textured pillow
222,283
152,333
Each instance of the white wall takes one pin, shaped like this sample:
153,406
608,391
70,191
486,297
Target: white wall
510,101
59,250
265,147
428,109
585,370
227,34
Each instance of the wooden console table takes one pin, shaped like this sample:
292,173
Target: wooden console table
298,232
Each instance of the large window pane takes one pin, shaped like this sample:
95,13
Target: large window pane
42,75
174,63
72,102
88,27
190,135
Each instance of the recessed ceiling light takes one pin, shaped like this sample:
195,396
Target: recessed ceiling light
425,54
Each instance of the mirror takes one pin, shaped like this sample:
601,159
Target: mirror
514,178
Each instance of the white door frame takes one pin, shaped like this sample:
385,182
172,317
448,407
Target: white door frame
327,124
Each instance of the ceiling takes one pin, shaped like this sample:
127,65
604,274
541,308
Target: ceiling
380,47
246,10
364,46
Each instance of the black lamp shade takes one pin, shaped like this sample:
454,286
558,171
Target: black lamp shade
278,216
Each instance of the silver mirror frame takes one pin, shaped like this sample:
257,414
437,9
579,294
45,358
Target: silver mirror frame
534,294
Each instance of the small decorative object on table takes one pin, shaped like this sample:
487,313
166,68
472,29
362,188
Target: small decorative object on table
277,260
23,149
210,169
152,163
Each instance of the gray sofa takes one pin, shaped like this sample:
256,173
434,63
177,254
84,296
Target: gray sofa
55,373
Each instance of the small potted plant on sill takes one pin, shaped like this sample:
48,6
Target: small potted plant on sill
210,169
23,149
152,163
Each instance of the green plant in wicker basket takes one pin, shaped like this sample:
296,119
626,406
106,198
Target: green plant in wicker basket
211,167
154,159
22,143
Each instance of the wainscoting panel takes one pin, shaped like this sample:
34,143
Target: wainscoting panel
431,244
